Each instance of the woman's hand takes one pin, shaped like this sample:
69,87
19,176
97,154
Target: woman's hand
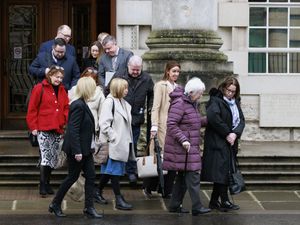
186,145
153,134
231,138
78,157
34,132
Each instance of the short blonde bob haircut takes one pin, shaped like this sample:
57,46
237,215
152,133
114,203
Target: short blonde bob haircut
117,87
85,88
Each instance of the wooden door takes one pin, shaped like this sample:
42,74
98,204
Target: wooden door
20,23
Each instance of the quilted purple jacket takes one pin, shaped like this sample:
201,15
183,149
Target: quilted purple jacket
183,124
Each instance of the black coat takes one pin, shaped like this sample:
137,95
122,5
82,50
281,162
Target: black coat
216,158
140,95
80,129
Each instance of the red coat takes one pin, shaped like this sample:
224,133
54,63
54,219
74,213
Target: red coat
49,112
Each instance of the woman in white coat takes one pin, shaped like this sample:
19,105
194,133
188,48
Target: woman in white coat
115,128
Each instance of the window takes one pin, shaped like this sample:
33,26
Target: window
274,37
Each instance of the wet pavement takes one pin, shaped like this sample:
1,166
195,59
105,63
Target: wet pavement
24,206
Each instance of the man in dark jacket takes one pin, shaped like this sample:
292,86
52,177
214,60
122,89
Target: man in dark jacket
140,97
57,56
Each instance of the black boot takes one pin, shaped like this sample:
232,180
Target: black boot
122,204
43,191
91,212
99,198
56,209
49,189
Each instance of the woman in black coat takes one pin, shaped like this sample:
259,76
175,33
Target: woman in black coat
226,123
77,145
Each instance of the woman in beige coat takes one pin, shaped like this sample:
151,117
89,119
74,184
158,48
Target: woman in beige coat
159,115
115,129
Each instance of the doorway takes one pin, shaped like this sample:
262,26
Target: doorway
24,25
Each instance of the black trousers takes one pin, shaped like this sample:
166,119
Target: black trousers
87,166
184,181
219,191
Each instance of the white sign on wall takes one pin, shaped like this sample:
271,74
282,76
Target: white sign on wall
279,110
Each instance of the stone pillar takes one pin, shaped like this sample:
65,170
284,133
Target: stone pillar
185,31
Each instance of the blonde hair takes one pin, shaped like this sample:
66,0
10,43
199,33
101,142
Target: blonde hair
117,87
85,88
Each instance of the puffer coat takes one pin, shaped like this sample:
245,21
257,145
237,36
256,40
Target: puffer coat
216,155
183,124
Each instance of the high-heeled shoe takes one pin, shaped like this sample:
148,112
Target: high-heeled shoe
56,209
91,212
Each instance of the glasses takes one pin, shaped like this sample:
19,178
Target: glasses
230,91
66,35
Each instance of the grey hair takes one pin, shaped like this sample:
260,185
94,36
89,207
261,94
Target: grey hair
108,39
194,85
135,60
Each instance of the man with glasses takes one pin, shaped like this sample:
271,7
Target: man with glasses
64,32
57,56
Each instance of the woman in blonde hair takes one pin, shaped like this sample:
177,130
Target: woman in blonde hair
115,129
77,145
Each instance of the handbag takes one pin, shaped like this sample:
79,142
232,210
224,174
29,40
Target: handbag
33,139
61,156
76,191
236,180
101,155
147,165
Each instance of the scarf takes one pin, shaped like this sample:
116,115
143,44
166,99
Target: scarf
234,111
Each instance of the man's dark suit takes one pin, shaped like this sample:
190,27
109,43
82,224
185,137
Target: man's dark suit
78,140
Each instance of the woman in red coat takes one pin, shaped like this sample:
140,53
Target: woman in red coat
46,117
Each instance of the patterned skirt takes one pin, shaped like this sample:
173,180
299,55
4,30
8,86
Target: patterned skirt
49,144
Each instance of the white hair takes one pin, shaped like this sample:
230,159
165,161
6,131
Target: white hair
194,85
135,60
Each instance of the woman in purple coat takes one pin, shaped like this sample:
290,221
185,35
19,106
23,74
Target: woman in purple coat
181,151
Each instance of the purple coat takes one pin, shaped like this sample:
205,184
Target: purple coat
183,124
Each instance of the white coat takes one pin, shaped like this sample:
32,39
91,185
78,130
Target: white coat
115,128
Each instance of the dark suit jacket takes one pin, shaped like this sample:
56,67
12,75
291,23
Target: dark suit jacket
47,47
80,129
105,63
68,62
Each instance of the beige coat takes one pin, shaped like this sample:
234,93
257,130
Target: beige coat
159,113
119,134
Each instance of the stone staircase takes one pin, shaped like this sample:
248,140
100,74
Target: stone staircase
261,170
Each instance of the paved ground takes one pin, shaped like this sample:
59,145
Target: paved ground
24,206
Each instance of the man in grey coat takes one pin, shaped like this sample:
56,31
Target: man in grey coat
115,59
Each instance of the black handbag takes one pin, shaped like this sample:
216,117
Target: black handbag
33,139
236,180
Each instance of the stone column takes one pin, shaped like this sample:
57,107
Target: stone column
185,31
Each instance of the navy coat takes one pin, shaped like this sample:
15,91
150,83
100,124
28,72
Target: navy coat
80,129
45,60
